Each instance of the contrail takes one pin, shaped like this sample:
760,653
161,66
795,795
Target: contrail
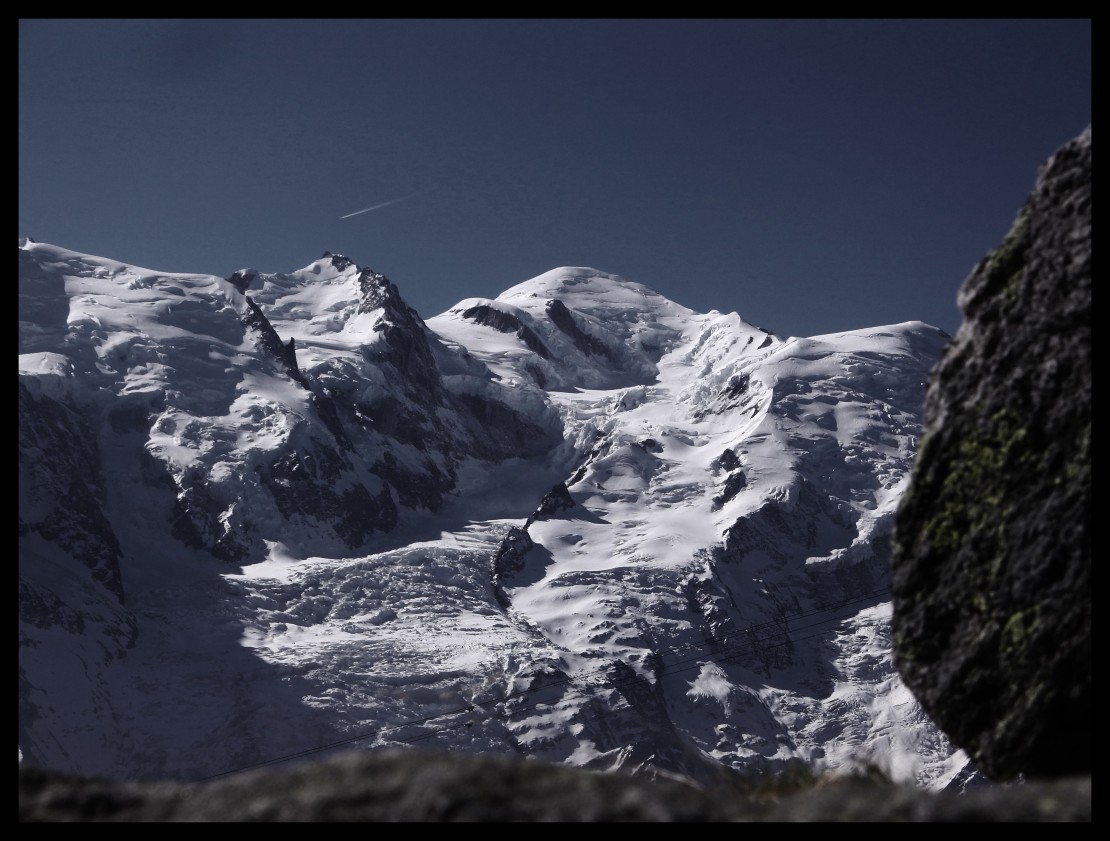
380,206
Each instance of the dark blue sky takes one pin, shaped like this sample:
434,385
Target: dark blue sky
811,175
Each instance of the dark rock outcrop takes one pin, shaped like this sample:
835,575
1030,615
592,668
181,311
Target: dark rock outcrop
243,279
61,486
555,500
992,566
415,786
284,353
310,484
562,318
733,484
509,558
506,322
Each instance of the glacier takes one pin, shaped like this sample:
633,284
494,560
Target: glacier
272,516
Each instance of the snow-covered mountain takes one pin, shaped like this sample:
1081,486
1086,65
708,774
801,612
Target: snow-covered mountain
275,515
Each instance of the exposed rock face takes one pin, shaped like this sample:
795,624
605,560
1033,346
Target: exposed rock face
61,503
992,567
454,787
563,319
510,555
507,323
555,500
284,353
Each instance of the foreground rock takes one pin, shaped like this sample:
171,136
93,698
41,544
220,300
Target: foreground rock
444,787
992,566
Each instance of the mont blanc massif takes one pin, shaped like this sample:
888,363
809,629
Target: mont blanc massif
273,516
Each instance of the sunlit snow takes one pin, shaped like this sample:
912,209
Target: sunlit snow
716,596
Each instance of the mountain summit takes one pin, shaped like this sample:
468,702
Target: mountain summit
273,515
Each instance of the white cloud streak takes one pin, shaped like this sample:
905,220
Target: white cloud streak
380,206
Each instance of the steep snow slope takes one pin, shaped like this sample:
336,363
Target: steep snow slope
577,521
725,538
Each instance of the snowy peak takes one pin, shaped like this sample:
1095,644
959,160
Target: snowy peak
577,327
600,312
576,521
322,298
108,320
316,394
593,292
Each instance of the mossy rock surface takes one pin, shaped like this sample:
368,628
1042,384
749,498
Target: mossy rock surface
992,561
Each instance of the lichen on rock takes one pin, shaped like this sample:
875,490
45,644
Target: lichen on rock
991,579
